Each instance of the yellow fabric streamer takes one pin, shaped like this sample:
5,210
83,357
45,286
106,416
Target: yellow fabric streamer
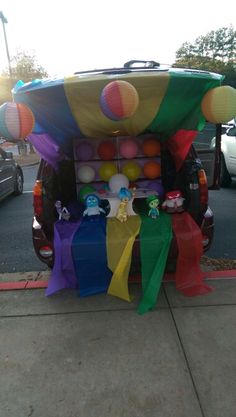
120,239
83,95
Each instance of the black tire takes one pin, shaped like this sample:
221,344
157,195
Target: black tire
18,188
225,178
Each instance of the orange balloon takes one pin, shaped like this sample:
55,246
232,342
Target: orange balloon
152,170
151,147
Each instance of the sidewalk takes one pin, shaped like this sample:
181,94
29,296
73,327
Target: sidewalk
96,357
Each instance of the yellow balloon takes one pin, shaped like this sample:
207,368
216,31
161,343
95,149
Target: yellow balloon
219,104
106,170
132,170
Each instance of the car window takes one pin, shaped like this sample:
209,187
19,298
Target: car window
204,138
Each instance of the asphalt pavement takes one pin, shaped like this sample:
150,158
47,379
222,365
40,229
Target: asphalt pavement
65,356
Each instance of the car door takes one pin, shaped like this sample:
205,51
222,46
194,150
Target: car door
7,174
228,146
210,156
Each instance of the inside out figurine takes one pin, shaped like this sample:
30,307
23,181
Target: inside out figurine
153,203
92,206
124,195
173,202
63,213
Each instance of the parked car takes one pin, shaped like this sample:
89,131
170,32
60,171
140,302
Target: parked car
228,154
11,175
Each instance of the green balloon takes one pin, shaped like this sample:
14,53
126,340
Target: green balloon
85,189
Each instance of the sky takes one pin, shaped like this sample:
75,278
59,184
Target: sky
73,35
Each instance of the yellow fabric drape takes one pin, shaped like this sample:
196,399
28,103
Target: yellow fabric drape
120,239
83,95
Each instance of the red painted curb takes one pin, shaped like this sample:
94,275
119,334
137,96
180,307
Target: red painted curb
30,285
22,285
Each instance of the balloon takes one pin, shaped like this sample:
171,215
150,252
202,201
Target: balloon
158,187
219,104
128,148
132,170
151,147
16,120
152,169
106,150
119,100
106,170
86,174
117,181
84,151
84,190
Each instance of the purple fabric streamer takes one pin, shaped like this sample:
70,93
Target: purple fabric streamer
46,147
63,273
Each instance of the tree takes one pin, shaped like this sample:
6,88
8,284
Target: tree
215,52
25,67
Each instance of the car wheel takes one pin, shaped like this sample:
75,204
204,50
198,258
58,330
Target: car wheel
18,188
225,178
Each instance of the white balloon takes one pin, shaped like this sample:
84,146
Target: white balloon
86,174
117,181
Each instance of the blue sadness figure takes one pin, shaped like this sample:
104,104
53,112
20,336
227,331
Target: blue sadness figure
92,206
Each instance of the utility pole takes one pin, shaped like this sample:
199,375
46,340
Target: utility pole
4,20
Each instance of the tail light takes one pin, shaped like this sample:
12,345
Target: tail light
46,251
38,198
203,187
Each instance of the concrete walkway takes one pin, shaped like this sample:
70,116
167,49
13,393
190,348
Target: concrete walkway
96,357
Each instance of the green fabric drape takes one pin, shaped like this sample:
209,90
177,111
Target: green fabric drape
155,239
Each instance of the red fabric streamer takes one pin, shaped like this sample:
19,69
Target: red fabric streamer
179,145
188,276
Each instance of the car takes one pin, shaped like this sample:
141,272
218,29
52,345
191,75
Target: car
11,175
62,175
228,154
52,185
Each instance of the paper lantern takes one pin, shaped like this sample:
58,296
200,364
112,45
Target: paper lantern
16,121
151,147
152,170
132,170
106,150
86,174
128,148
117,181
84,151
219,104
106,170
119,100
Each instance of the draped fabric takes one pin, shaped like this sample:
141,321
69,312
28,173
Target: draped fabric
63,274
93,255
155,239
67,109
89,255
188,275
120,240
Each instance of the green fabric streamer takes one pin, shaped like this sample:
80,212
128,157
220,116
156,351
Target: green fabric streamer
181,109
155,239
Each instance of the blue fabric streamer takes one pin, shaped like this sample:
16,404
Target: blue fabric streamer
89,256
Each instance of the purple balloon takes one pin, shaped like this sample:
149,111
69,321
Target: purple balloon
84,151
156,186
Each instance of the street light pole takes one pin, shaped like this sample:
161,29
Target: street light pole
4,20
